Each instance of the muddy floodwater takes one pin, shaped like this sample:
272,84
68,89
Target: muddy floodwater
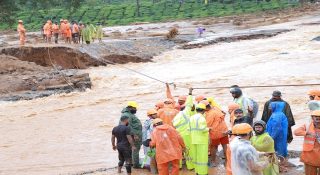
70,133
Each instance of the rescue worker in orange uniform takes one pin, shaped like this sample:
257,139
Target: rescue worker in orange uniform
22,32
55,31
75,32
231,108
48,31
167,113
181,99
68,31
63,29
310,155
219,132
169,147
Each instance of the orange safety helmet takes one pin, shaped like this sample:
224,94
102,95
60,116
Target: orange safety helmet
200,98
156,121
151,112
316,113
242,128
314,92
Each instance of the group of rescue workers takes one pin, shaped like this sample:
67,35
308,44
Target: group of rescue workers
69,32
189,131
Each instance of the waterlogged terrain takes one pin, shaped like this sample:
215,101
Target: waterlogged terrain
70,133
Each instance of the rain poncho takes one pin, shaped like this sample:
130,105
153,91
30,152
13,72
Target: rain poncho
287,112
93,31
182,125
199,139
168,144
99,32
245,158
87,35
136,129
146,134
277,127
264,143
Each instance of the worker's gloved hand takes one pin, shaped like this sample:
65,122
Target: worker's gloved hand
190,91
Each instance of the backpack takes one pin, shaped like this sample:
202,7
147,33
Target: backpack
255,107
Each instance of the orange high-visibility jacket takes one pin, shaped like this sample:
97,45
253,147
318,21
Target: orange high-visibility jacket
75,28
47,29
63,28
168,143
167,114
311,148
55,28
215,120
68,30
309,140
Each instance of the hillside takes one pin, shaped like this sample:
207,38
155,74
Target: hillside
116,13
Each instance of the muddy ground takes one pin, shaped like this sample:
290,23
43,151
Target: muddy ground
138,43
69,132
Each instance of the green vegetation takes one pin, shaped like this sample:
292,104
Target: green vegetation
121,12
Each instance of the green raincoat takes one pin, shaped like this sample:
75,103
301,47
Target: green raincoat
99,32
136,130
182,125
265,143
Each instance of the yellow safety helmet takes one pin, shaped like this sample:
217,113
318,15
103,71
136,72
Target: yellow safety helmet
156,121
316,113
201,106
213,102
242,128
133,104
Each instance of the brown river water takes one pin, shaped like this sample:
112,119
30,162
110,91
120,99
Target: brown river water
70,133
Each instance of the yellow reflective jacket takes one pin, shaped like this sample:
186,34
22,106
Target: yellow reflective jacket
198,129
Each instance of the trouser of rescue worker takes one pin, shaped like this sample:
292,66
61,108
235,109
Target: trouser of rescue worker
135,154
80,38
187,142
125,156
75,37
22,39
200,158
163,168
311,170
214,143
56,36
48,38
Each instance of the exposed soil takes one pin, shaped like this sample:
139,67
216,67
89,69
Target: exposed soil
70,133
65,57
26,80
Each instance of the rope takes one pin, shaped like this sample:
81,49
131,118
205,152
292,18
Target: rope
137,72
260,86
56,69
